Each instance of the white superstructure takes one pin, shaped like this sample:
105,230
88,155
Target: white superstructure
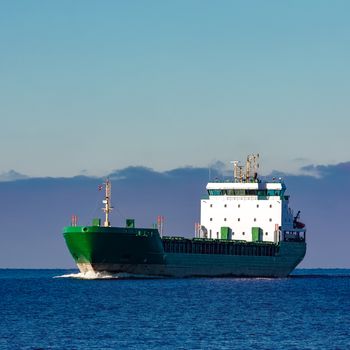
247,208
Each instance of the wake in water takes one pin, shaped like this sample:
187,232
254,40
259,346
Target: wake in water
91,275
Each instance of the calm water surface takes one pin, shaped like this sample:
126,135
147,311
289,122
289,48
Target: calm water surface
308,311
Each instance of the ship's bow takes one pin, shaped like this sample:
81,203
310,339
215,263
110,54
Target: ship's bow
113,249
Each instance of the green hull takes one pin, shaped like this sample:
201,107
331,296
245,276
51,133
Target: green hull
141,252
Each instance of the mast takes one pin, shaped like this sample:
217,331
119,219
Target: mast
252,167
107,202
248,168
256,166
235,170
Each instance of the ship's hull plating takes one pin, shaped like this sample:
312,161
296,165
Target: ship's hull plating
123,251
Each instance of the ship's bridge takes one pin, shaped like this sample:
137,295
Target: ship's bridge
249,210
246,189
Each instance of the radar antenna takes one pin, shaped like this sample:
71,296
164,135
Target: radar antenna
249,172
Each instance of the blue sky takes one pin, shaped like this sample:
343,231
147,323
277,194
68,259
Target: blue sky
92,86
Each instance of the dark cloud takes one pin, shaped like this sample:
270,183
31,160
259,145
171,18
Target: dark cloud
34,210
335,171
12,175
134,172
323,200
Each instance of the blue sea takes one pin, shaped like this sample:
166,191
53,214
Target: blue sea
57,309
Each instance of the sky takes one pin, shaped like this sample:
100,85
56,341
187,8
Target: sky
88,87
161,91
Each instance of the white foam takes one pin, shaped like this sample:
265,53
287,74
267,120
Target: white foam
91,275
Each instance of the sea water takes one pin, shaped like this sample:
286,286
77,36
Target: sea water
61,309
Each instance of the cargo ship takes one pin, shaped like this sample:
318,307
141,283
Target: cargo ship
246,229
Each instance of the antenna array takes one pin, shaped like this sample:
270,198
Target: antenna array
250,172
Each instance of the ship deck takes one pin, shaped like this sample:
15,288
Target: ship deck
221,247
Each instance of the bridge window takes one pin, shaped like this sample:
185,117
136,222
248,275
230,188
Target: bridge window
273,192
245,192
251,192
216,192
